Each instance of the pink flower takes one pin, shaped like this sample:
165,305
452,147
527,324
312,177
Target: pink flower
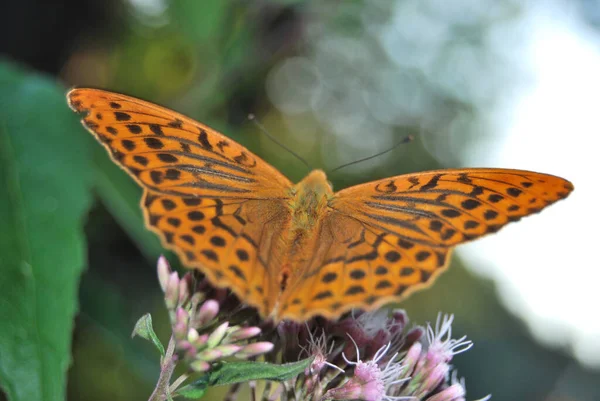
370,380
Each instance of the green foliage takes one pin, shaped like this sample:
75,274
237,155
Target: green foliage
45,180
240,372
143,328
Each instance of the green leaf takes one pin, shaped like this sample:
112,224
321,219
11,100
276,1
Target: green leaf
143,328
45,181
195,390
237,372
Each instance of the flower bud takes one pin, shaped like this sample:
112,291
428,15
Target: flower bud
200,342
434,377
180,327
207,312
172,291
350,390
197,297
187,349
412,357
185,286
228,350
216,336
164,271
210,355
200,366
193,335
455,392
242,334
254,349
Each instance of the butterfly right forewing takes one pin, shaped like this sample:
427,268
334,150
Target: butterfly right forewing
169,153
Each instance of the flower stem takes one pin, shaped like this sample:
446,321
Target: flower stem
178,382
161,391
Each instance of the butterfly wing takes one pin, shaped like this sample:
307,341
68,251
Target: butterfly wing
387,238
210,199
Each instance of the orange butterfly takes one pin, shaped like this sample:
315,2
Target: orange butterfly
294,251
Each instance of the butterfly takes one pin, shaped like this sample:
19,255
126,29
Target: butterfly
296,251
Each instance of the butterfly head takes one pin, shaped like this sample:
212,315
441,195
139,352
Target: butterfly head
315,183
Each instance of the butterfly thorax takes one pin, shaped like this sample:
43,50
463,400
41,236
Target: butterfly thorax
308,205
310,198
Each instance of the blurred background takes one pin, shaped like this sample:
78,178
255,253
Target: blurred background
479,83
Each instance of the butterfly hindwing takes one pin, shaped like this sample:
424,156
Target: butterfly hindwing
363,267
226,239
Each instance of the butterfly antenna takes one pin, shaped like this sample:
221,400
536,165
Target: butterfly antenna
404,140
252,118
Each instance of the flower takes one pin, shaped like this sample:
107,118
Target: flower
373,330
370,380
428,365
201,338
371,356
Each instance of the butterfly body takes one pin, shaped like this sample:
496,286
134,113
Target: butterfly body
308,205
295,251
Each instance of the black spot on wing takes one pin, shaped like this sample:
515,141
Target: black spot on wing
238,272
177,123
168,204
134,128
120,116
329,277
154,143
156,129
355,289
203,139
433,182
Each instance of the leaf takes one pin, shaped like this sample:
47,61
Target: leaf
44,176
195,390
227,373
237,372
143,328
